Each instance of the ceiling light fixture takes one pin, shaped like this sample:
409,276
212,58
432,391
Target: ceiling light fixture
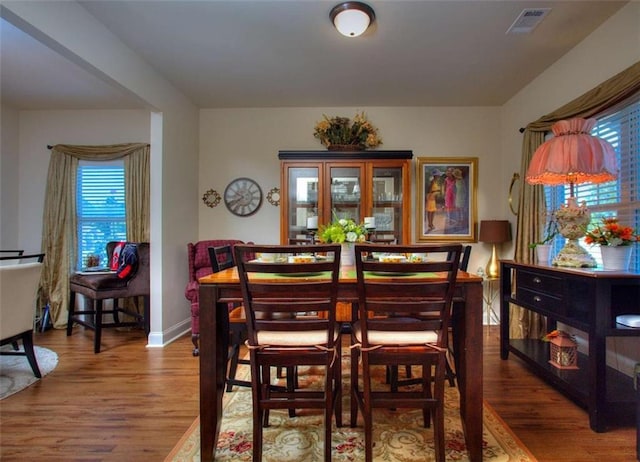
352,19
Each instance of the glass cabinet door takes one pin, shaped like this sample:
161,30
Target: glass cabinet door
319,187
345,193
387,204
302,201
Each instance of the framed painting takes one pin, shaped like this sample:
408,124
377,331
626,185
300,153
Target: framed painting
446,199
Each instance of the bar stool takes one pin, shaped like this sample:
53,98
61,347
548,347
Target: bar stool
108,286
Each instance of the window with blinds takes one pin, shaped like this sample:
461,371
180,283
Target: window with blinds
621,198
100,209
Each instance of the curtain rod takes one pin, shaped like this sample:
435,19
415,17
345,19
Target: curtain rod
522,129
51,147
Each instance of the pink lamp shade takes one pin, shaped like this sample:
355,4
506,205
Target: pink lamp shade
573,156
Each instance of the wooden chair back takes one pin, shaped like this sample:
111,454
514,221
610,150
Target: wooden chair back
464,257
403,304
283,292
221,258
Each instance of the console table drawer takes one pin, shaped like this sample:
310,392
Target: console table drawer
539,300
539,282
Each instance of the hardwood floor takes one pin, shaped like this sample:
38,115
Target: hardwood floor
132,403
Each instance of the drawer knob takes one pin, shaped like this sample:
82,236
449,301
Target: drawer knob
537,280
537,298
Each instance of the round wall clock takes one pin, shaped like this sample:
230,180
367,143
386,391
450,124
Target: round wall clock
243,197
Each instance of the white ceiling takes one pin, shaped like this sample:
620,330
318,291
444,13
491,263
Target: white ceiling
267,53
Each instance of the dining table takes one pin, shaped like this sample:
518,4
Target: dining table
219,289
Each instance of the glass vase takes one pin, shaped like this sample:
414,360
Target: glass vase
347,254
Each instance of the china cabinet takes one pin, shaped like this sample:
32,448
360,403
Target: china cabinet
318,186
589,300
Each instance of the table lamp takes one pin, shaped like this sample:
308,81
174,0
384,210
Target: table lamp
494,232
571,157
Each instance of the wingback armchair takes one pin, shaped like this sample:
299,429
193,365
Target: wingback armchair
200,266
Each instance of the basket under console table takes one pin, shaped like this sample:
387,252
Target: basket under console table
588,300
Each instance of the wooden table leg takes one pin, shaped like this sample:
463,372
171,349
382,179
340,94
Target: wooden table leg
214,338
468,330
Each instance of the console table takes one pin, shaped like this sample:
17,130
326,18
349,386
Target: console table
588,300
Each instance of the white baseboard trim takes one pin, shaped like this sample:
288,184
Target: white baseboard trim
163,338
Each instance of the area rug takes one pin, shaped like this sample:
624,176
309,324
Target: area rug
398,435
16,374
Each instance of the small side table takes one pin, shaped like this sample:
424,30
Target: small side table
491,289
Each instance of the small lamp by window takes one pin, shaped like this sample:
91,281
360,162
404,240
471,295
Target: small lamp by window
494,232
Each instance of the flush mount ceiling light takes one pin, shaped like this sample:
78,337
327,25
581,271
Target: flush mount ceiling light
352,18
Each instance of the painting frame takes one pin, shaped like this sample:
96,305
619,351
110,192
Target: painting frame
443,214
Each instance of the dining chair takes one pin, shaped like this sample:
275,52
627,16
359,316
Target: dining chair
100,286
403,320
222,258
19,282
284,292
393,378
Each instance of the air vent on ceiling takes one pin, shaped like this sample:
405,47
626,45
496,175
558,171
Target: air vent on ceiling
528,20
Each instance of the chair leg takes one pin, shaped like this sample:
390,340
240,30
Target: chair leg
98,326
292,384
147,314
426,390
27,343
451,376
195,339
367,409
438,415
336,383
264,387
71,311
260,415
328,413
354,387
233,362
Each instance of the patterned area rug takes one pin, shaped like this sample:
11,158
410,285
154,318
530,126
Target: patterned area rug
398,435
16,374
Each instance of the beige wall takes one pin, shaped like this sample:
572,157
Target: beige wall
245,142
41,128
9,179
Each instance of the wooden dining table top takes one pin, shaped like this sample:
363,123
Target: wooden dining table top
347,276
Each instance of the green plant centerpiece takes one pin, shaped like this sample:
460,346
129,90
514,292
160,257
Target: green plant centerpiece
341,231
343,133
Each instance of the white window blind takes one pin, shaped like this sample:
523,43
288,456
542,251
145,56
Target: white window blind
100,208
621,198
